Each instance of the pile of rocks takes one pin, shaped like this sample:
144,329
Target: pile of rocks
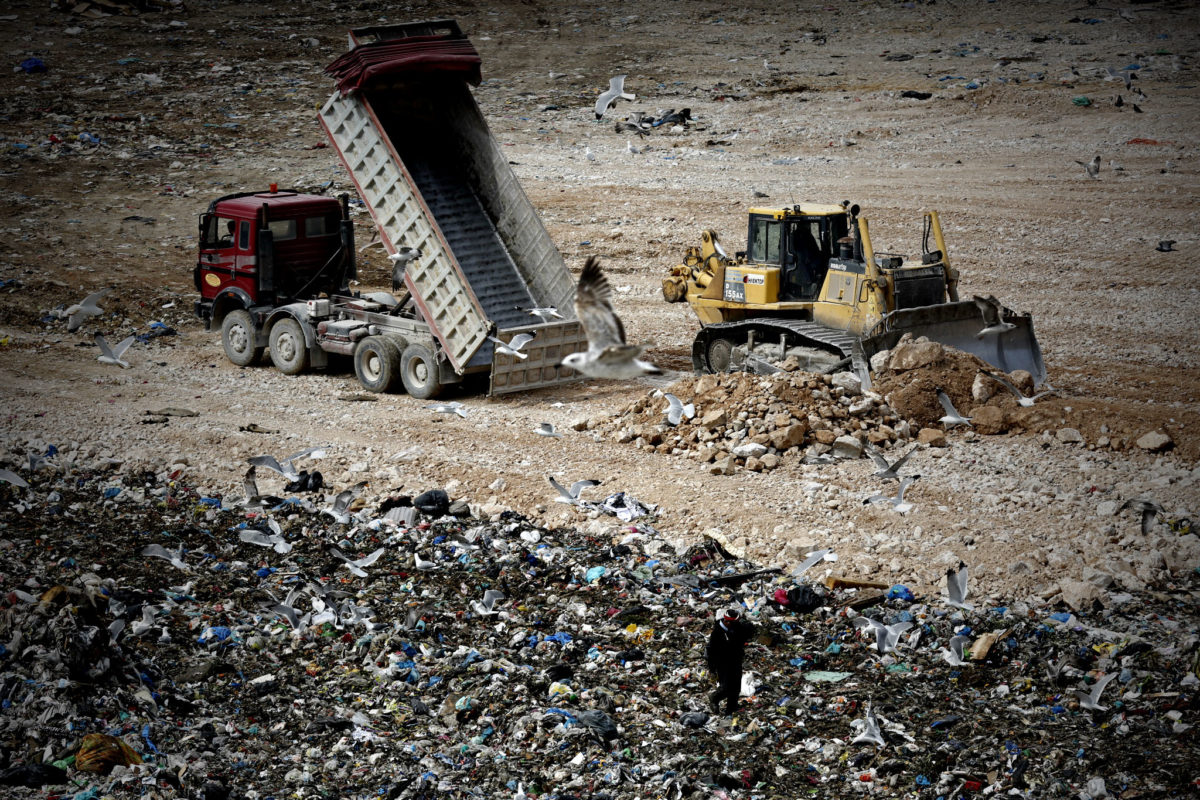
758,421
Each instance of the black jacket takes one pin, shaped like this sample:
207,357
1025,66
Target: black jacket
727,644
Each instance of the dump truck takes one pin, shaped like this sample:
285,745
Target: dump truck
810,286
276,267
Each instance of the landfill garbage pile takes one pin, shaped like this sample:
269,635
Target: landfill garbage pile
160,642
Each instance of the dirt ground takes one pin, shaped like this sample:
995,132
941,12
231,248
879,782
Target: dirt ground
140,120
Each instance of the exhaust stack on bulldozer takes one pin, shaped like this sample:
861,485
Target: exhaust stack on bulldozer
810,286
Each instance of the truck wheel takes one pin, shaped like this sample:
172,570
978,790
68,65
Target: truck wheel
419,372
377,364
237,337
289,353
720,351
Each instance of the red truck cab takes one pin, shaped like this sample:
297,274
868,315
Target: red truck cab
263,249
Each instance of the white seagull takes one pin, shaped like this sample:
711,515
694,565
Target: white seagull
952,416
870,730
422,564
808,563
1091,700
1022,400
954,655
899,504
547,429
79,313
356,565
8,476
607,356
112,355
175,557
488,606
453,407
514,345
888,471
993,316
339,510
677,409
886,636
956,587
285,467
1092,168
545,313
1149,511
570,495
616,90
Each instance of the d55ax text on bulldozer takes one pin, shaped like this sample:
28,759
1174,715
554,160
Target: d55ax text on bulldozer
810,286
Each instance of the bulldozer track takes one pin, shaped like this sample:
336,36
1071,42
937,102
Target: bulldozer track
800,332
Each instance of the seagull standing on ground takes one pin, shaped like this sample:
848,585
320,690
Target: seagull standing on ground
952,417
607,356
79,313
514,345
112,355
616,90
993,316
1024,401
1092,168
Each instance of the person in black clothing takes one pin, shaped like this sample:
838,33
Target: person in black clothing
726,648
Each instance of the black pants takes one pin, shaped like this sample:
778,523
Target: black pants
729,687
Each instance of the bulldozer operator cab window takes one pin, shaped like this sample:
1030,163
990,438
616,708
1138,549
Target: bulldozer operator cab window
766,238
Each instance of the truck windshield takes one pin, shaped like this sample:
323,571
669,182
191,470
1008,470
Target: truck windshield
766,235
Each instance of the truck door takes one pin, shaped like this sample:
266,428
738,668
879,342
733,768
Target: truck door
226,255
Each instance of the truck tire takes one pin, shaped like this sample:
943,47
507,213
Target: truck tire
237,337
289,353
720,352
377,364
419,371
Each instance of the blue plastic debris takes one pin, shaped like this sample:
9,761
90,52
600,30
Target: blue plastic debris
31,65
900,592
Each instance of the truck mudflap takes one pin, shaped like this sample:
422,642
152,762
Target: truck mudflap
957,325
551,343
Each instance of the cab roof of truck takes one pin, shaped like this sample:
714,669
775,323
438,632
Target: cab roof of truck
802,209
283,203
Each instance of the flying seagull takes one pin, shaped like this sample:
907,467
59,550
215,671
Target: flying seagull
8,476
1024,401
488,606
952,416
1092,168
514,345
285,467
870,731
616,90
954,654
272,540
607,356
79,313
886,636
808,563
547,429
677,409
993,316
899,504
1166,246
888,471
1120,75
1149,510
400,261
356,565
545,313
570,495
112,355
174,556
1091,700
339,510
956,587
453,407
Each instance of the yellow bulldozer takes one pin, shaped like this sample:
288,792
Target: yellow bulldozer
810,286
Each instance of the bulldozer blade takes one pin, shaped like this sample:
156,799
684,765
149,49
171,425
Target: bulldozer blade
958,325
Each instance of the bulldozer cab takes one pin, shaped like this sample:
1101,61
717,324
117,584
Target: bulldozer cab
800,244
